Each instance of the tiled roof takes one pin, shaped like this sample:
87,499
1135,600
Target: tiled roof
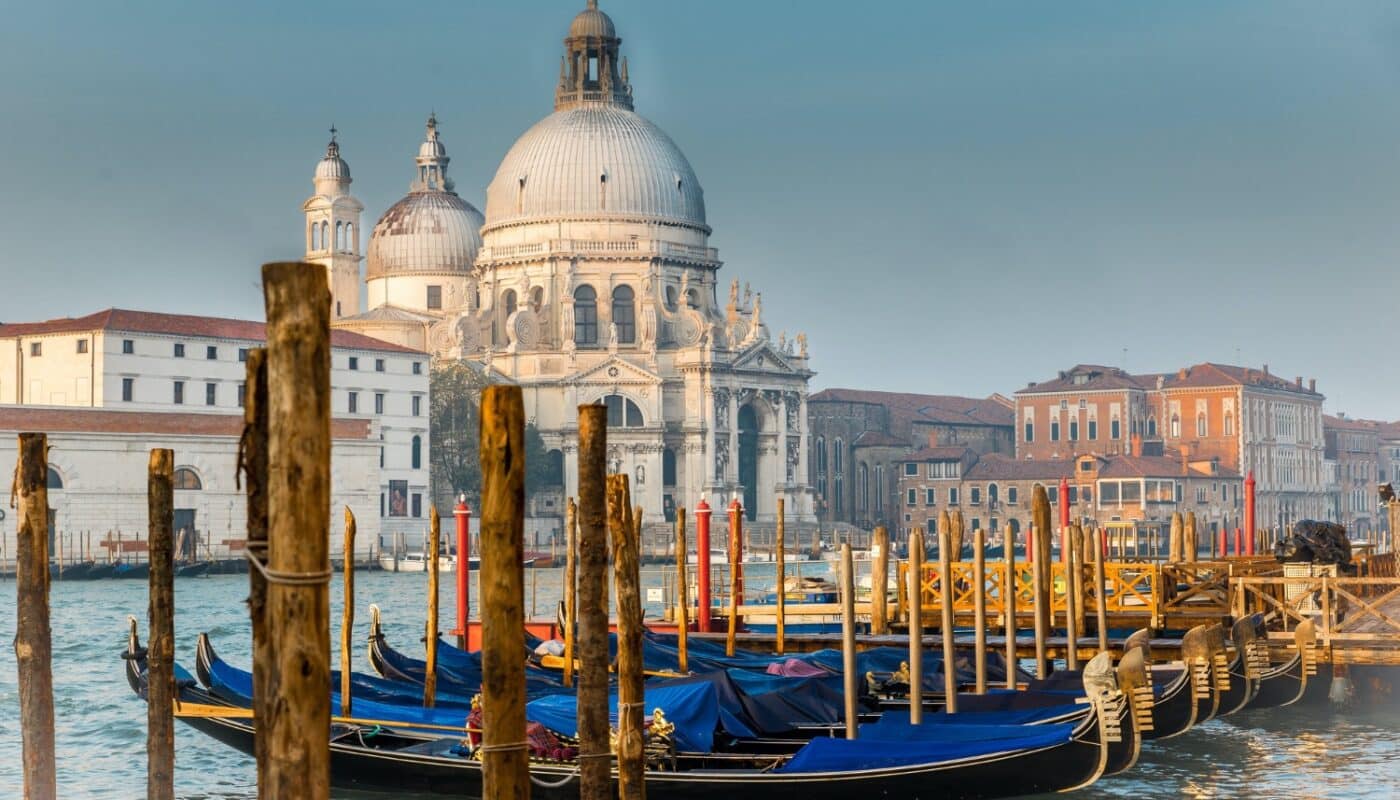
1330,422
946,453
878,439
101,420
1126,466
1210,374
118,319
1096,378
1390,430
1004,468
936,408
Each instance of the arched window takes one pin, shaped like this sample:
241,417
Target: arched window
312,236
186,479
624,314
537,299
418,452
508,303
339,237
350,243
1176,426
838,463
692,298
863,486
671,298
1152,426
622,413
1201,425
585,316
55,480
1115,428
992,493
325,235
821,466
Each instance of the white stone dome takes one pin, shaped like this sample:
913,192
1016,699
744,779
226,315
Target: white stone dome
425,232
595,162
591,22
333,167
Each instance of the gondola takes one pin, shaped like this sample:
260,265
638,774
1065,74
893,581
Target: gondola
1174,697
1287,683
124,569
1250,661
197,569
1209,668
946,761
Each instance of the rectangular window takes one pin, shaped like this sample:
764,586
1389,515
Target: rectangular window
975,497
1030,431
1053,492
128,389
418,368
211,353
911,497
379,365
434,300
977,523
179,350
1073,495
381,504
930,497
82,345
179,393
379,402
911,469
1093,430
211,394
952,495
128,346
36,349
1054,430
242,355
353,402
354,362
242,394
418,405
1074,430
417,506
1011,495
1200,495
1114,429
1108,491
1130,491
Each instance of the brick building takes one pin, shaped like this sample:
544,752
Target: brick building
994,491
1242,418
1355,446
859,437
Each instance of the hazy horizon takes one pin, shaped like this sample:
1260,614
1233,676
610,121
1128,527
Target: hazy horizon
948,198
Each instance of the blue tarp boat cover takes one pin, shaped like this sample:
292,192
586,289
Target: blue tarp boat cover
931,744
692,706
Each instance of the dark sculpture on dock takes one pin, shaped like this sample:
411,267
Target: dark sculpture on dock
1317,542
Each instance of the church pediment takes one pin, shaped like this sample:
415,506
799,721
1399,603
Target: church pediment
762,356
614,371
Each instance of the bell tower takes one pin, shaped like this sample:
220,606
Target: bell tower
333,231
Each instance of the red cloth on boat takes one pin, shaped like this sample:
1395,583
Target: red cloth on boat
795,668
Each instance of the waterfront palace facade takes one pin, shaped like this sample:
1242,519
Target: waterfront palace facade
589,278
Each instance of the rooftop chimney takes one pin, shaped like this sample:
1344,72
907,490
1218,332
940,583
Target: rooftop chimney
1266,369
1312,384
1298,381
1182,373
1136,445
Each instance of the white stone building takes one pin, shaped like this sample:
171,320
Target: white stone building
590,279
98,466
173,366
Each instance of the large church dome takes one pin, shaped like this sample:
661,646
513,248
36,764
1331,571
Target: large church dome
595,162
429,231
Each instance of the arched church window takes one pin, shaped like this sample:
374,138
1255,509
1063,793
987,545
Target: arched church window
508,303
671,298
350,243
585,316
622,413
668,467
312,237
603,191
1176,426
417,452
863,486
186,479
537,299
325,236
1152,426
339,237
692,298
55,480
624,314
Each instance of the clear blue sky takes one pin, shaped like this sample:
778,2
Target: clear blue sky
948,197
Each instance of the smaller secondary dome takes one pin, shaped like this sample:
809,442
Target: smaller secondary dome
333,167
425,232
591,22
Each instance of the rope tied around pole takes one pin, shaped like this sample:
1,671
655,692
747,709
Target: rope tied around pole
282,577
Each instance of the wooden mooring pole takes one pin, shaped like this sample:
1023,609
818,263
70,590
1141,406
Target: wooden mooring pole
850,680
1008,600
504,752
979,607
879,581
347,617
33,636
627,579
252,466
1100,595
570,589
915,586
1073,555
780,557
947,592
683,596
1040,571
160,650
299,502
595,752
430,636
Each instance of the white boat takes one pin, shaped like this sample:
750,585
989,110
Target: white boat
417,561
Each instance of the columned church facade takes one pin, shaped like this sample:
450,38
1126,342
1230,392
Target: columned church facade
589,279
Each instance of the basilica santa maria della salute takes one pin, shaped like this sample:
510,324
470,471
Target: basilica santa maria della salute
589,279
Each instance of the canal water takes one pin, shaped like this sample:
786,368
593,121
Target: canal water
1283,753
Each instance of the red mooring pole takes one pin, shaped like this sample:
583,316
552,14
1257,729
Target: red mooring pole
1249,514
463,515
703,602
